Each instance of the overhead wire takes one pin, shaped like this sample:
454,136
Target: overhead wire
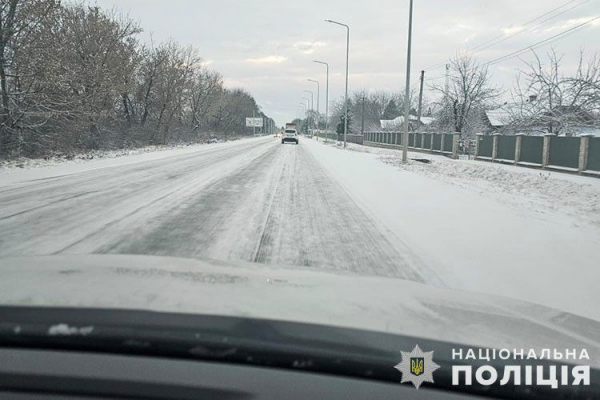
503,37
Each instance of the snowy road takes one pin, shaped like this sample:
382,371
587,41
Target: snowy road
470,226
254,200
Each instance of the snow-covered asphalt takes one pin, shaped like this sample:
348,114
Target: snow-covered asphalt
254,200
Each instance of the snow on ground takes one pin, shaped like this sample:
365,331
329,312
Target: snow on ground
465,225
540,191
25,169
255,200
491,228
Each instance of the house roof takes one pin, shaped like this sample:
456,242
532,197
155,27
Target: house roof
426,120
391,123
498,117
396,122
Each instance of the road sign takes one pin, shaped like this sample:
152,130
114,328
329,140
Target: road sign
254,122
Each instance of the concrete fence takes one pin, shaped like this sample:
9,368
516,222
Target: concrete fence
580,154
576,154
358,139
440,143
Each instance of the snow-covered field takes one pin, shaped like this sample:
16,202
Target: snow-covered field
492,228
475,226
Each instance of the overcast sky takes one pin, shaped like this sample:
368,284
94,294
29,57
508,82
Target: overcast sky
266,46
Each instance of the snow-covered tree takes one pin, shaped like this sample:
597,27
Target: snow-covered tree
469,89
75,77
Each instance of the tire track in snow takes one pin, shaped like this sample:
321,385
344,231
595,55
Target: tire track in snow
81,224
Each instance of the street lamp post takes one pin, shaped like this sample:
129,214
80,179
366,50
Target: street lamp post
326,98
312,103
347,57
307,113
407,92
302,110
318,109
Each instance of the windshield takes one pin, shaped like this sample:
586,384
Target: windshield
447,190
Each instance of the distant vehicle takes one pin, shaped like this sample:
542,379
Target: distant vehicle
290,135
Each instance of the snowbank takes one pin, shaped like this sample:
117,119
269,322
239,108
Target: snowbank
25,169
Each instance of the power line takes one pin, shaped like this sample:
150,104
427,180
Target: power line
533,20
546,41
488,43
531,27
540,43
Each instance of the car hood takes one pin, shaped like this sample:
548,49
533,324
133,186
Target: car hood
287,293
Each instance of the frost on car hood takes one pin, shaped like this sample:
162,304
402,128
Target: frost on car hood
294,294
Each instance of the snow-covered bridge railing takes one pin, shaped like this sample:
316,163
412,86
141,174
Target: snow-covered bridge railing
579,153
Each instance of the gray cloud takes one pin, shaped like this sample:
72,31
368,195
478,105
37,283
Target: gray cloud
267,46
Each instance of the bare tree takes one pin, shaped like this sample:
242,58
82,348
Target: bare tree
18,19
206,89
373,106
547,100
469,90
74,77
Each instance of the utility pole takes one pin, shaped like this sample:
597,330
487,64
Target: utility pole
447,80
362,125
420,98
447,111
407,92
447,85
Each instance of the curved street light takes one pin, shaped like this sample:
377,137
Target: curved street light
347,56
318,96
326,98
307,112
312,100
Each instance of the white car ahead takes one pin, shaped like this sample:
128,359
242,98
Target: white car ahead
290,135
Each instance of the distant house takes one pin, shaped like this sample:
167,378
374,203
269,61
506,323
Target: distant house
527,118
498,118
397,123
